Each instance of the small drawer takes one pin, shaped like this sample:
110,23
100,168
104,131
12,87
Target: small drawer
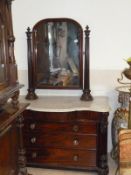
74,127
75,141
62,157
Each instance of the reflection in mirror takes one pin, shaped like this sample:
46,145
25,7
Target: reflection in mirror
1,59
57,54
2,55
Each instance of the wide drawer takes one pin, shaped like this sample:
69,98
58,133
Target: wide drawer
62,116
61,140
49,116
75,127
62,157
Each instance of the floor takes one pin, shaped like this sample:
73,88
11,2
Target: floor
40,171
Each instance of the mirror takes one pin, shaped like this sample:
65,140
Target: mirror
3,69
55,55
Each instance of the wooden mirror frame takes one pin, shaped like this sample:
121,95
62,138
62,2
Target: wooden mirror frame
31,95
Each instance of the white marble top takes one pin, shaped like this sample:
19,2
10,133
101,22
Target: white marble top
66,104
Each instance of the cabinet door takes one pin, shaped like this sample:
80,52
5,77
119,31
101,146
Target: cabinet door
8,151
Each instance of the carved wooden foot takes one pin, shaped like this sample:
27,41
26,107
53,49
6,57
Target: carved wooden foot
31,95
86,96
103,171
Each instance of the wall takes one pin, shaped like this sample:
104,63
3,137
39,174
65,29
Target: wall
110,40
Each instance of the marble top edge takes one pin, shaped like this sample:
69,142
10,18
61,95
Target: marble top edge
67,104
65,110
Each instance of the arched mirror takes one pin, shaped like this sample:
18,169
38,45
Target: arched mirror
55,55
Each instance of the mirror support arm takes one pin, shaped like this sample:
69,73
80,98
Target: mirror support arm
86,96
31,89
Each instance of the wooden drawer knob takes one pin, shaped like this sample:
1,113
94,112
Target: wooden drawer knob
34,155
75,128
75,142
75,158
33,140
32,126
12,172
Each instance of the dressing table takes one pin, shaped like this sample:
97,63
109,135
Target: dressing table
63,132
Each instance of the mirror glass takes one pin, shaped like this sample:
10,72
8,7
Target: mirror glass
57,52
2,55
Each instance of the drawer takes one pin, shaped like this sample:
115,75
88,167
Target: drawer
88,115
49,116
75,127
62,116
75,141
62,157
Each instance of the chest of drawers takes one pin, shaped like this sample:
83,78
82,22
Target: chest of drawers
65,133
73,140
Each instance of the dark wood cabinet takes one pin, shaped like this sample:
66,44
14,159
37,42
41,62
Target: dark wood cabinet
12,154
8,141
8,67
70,140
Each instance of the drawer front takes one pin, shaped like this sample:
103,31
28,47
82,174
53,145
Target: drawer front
63,116
76,141
75,127
62,157
50,116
